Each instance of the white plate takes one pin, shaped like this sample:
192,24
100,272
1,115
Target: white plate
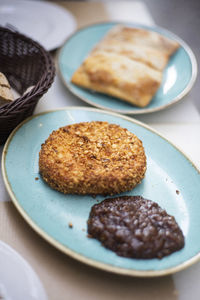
47,23
18,281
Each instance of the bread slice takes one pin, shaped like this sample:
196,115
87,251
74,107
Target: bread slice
6,95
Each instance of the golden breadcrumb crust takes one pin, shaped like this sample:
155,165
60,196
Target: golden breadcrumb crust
92,158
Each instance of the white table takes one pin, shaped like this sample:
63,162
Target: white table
65,278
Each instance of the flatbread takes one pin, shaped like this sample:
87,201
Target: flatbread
142,37
118,76
145,54
127,63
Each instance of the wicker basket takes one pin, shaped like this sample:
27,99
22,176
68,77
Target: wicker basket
26,64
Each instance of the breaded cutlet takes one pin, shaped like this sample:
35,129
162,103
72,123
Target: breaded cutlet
92,158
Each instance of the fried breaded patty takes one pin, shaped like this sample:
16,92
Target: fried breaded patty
92,158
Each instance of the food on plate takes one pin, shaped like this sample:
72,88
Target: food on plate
144,54
127,64
135,227
6,95
143,45
117,75
92,158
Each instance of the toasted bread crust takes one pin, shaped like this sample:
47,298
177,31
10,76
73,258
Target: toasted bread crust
6,95
127,64
118,76
92,158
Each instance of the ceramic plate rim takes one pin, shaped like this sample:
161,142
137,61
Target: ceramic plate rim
51,5
65,249
176,99
26,266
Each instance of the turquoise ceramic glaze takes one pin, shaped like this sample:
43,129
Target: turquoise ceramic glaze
49,211
178,77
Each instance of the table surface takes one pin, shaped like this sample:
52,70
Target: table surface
63,277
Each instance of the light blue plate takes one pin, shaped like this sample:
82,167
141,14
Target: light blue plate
179,75
49,212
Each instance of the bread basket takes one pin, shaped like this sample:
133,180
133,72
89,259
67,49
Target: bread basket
29,69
